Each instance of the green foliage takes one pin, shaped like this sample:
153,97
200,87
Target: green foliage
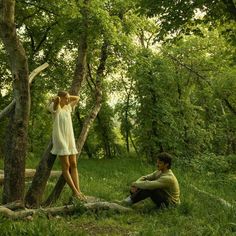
180,16
174,104
211,163
152,77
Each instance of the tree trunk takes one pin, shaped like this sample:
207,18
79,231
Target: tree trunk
132,141
87,123
16,137
80,70
127,126
36,190
154,129
86,146
105,137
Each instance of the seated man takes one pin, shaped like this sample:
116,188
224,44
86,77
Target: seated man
161,186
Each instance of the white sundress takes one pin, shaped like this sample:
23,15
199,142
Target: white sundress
63,135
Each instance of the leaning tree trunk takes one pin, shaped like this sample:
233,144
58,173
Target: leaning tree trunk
102,127
35,193
83,135
87,123
16,136
86,146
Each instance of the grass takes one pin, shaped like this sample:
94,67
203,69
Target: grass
110,180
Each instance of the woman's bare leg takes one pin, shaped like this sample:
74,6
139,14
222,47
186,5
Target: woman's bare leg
65,164
74,172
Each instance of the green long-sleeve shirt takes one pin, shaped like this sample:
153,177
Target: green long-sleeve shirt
165,181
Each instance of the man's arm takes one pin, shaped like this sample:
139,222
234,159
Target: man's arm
151,176
155,184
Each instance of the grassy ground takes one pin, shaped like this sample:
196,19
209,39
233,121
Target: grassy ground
110,179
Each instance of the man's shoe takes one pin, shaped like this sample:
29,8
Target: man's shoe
126,202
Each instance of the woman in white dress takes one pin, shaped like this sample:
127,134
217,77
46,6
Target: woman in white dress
63,139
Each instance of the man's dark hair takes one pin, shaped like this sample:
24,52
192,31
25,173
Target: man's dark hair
165,157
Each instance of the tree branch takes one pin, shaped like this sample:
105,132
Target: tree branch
186,66
33,74
221,201
231,108
45,35
36,71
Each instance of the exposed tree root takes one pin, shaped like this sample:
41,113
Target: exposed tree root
92,204
221,201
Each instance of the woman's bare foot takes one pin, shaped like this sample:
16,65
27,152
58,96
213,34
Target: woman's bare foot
80,196
83,196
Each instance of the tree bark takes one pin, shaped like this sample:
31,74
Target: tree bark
80,70
87,123
35,193
16,137
36,190
86,146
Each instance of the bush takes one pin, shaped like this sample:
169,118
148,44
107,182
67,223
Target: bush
211,163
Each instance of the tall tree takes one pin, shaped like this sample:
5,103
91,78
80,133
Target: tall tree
35,193
16,136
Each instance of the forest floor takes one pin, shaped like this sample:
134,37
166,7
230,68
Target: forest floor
198,214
